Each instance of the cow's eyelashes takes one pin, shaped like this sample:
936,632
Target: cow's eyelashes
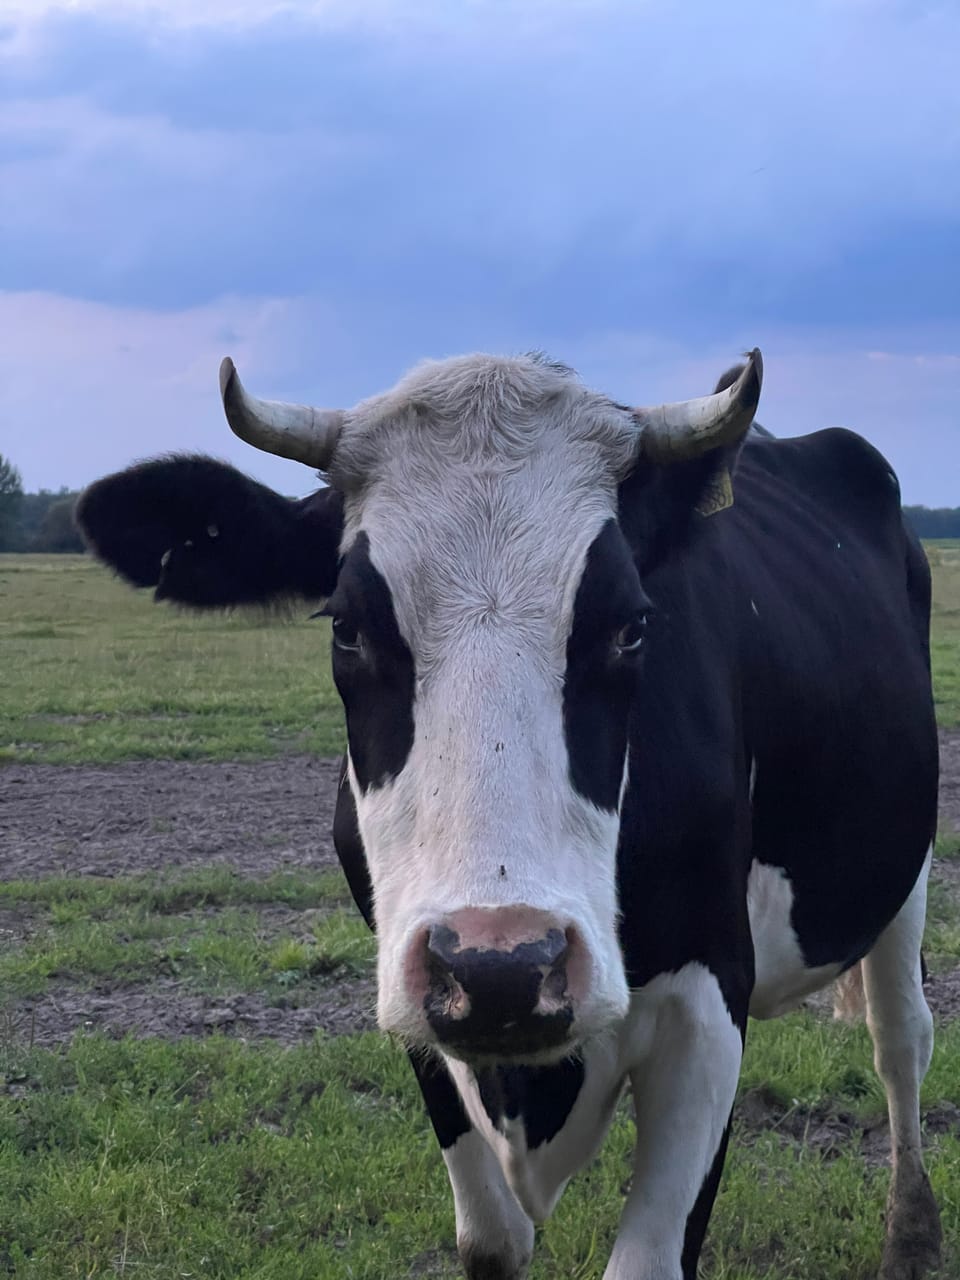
346,637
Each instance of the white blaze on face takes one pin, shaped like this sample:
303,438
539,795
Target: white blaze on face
483,555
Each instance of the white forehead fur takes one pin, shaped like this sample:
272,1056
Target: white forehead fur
481,481
480,408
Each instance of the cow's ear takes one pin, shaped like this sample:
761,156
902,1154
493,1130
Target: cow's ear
663,508
205,535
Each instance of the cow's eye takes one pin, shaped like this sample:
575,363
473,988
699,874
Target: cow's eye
629,638
346,637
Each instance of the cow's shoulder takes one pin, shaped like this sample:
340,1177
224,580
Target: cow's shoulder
835,469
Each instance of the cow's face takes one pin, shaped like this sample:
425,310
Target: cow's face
487,637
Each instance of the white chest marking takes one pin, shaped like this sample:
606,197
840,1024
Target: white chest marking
538,1175
782,976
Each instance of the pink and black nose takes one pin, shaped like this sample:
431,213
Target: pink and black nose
498,994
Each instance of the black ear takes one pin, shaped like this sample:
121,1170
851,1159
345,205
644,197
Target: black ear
205,535
664,508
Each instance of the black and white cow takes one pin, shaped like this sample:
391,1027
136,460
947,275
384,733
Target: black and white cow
635,750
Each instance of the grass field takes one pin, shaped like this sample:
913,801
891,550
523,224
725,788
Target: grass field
94,672
944,557
216,1156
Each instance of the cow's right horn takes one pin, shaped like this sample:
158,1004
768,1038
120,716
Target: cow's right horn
294,431
674,432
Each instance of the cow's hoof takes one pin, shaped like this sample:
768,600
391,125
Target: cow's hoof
911,1250
478,1264
898,1265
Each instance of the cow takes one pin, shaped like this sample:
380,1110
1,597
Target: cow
641,742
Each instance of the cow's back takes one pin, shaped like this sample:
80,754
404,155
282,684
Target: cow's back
833,599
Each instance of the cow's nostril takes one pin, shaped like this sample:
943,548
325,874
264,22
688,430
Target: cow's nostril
492,993
445,994
554,985
554,949
553,988
442,945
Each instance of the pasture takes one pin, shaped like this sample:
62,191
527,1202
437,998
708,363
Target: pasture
190,1085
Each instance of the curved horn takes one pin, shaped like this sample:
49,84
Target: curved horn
673,432
290,430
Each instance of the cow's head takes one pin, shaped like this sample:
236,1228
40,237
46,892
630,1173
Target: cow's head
487,633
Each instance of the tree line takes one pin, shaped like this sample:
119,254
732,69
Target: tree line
934,522
44,521
35,521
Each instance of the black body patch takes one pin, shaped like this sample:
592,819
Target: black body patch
542,1097
349,847
599,684
376,681
447,1114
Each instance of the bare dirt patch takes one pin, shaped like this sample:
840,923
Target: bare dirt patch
829,1130
950,781
16,925
162,815
341,1005
943,994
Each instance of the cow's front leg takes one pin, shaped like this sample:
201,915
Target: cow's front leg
683,1083
494,1235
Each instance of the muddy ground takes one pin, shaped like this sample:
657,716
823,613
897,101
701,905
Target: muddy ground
255,817
164,815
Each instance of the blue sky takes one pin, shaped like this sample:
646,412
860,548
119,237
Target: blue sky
329,190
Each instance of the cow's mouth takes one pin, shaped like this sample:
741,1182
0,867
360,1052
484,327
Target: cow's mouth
475,1036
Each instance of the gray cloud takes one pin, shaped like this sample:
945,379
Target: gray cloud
504,176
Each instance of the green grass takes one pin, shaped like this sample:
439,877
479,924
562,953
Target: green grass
216,1158
95,672
945,638
944,557
100,673
204,930
92,897
212,1158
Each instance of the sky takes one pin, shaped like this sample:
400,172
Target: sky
332,190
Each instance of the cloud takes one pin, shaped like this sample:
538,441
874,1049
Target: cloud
184,13
86,388
899,389
363,14
653,183
695,160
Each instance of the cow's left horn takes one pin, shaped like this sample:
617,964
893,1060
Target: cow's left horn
673,432
294,431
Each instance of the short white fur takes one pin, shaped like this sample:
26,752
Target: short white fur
782,975
484,483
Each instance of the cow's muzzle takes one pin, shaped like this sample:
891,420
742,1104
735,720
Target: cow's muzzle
498,982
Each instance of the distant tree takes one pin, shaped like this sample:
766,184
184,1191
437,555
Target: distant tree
33,512
934,522
57,531
11,500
